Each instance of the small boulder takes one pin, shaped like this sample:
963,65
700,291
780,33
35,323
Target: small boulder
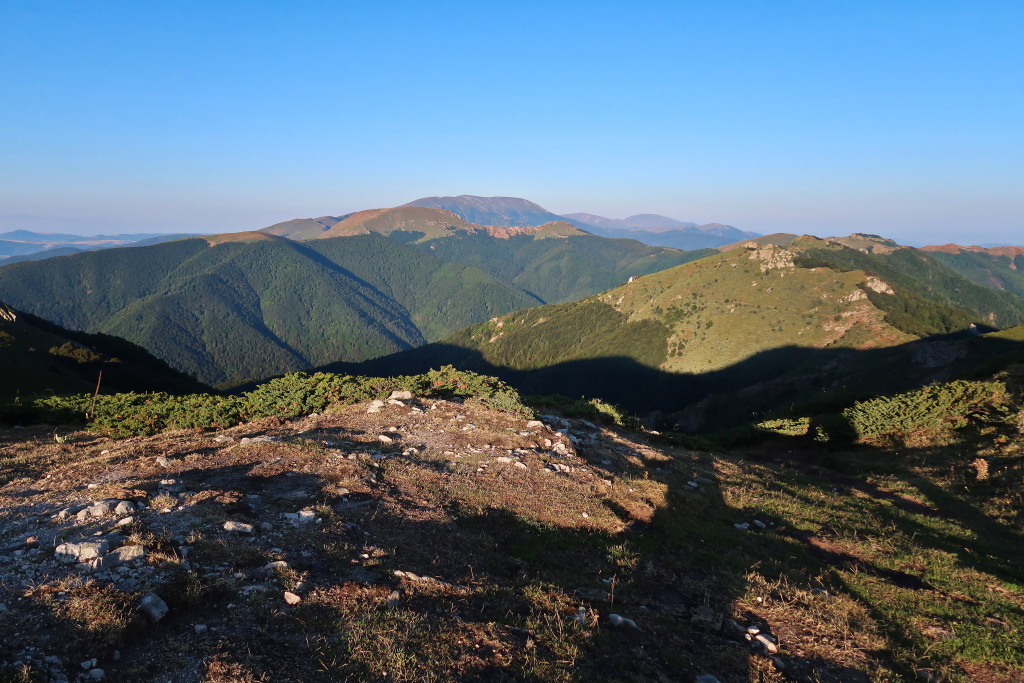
291,598
376,406
401,394
238,527
125,507
619,621
153,607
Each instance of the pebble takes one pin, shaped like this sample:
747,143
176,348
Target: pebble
240,527
163,461
291,598
383,438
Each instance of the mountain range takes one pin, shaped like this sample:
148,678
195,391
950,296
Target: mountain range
241,306
651,229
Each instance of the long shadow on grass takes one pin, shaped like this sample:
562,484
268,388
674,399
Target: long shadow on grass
945,521
756,386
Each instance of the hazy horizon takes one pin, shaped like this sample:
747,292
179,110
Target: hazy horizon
898,120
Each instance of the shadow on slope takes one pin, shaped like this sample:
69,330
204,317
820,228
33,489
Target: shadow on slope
763,384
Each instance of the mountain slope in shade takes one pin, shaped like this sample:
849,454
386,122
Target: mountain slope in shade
41,358
1000,268
501,211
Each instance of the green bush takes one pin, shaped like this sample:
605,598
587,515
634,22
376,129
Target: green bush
935,408
294,395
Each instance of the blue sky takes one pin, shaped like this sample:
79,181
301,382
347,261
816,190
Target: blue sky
905,119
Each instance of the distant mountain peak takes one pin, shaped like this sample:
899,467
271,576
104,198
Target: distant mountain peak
501,211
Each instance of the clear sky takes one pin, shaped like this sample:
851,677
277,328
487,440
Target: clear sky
901,118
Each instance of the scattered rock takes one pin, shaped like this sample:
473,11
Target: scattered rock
291,598
520,465
240,527
69,553
375,406
125,507
385,439
621,622
97,674
153,607
706,678
535,424
200,629
401,394
163,461
767,642
128,553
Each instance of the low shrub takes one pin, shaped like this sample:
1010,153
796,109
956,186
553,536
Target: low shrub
294,395
930,411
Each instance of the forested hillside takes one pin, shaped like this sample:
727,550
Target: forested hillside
999,268
243,309
241,306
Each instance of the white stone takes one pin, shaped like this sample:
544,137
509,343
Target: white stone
375,407
401,394
291,598
239,527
